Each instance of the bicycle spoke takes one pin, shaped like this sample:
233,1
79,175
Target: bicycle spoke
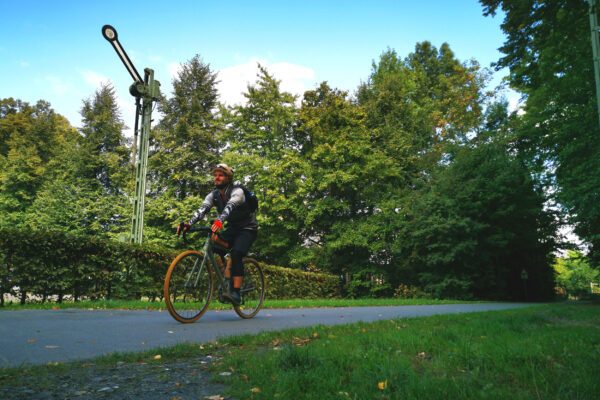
188,287
252,291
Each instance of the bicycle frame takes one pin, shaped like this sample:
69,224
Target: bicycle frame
195,281
209,256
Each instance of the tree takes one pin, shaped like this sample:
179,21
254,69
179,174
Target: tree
102,167
477,227
103,144
265,154
345,181
418,105
574,274
31,137
548,53
184,147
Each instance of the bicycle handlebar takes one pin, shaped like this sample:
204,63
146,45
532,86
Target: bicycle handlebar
206,230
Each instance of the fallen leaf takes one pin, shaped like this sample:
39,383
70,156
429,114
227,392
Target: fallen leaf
215,397
382,385
157,357
31,341
276,342
300,342
255,390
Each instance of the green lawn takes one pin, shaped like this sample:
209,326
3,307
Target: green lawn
540,352
294,303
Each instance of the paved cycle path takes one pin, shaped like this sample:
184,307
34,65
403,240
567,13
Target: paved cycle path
43,336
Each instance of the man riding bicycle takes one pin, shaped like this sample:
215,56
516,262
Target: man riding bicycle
242,226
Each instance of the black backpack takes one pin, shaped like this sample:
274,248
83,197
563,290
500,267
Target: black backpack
251,198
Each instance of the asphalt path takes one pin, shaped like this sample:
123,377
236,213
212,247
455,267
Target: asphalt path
45,336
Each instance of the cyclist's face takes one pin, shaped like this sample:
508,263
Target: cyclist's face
219,178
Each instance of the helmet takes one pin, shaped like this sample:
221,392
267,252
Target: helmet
224,168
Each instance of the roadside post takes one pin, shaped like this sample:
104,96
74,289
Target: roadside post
524,278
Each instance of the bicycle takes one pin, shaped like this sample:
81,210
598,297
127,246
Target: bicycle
193,275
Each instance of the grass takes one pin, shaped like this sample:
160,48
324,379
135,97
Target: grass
292,303
540,352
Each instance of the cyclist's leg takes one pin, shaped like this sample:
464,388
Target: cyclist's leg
227,235
240,247
220,258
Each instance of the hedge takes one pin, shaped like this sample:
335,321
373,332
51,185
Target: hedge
53,264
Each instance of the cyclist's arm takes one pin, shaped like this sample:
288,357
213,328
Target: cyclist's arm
204,208
237,199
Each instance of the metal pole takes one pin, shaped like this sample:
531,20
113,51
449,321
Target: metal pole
595,31
137,226
149,91
136,127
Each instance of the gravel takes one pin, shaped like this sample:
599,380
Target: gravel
176,380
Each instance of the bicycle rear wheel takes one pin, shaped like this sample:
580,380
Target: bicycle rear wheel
252,291
188,286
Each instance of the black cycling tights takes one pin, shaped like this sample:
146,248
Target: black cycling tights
237,267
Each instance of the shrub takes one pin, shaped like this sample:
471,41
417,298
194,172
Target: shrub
408,292
287,283
367,284
48,264
450,288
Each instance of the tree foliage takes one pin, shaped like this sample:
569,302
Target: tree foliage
575,275
184,145
549,55
414,183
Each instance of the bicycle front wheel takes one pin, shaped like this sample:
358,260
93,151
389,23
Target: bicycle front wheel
252,291
188,286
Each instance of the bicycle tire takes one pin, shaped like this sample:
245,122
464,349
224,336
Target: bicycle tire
188,297
252,290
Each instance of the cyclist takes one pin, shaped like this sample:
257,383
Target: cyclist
242,226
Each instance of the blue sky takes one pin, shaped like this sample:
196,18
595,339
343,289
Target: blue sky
54,50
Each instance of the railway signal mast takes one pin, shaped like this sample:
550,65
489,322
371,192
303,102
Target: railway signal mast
146,91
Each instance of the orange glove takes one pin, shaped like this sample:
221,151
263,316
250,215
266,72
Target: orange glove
183,228
216,226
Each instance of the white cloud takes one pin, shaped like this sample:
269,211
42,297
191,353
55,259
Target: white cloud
94,79
174,68
233,81
24,64
514,101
